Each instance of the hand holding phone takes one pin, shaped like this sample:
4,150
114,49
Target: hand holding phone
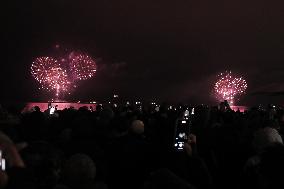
186,113
12,156
188,146
51,110
181,134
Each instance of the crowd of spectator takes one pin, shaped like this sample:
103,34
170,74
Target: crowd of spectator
131,147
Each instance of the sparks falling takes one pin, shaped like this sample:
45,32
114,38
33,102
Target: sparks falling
228,87
81,66
61,73
50,75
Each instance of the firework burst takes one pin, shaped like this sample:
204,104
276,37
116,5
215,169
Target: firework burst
50,75
228,87
61,73
81,66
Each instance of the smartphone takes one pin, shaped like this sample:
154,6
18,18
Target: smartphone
51,110
2,162
157,108
186,113
182,131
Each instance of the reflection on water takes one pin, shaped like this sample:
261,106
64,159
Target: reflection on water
241,108
60,105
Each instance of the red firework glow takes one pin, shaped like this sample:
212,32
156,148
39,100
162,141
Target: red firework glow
82,66
50,75
53,75
228,87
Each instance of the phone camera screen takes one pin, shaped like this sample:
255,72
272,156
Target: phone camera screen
181,134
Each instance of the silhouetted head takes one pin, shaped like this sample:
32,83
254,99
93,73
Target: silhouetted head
265,137
271,167
99,107
37,109
137,127
79,169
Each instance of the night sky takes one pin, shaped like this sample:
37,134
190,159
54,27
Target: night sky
149,49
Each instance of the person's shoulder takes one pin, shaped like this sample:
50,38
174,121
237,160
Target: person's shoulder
100,185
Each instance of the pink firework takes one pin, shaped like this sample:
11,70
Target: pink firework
50,75
228,87
81,66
